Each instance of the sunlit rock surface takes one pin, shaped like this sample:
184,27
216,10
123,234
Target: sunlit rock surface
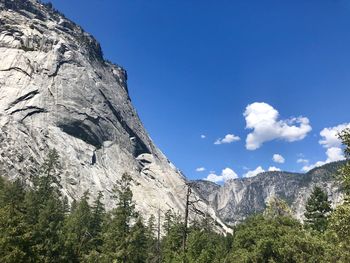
57,91
239,198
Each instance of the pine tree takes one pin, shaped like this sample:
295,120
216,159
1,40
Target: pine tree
97,220
172,243
205,247
65,205
207,223
73,205
168,221
2,191
138,242
151,226
14,239
317,210
117,235
152,246
77,231
46,211
48,244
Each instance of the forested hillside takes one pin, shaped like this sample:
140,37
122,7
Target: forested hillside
38,225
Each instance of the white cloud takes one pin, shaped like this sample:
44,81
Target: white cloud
229,138
203,136
333,154
332,143
226,174
304,161
307,168
263,119
274,169
200,169
255,172
330,135
277,158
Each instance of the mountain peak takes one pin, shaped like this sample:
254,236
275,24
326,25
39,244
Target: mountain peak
242,197
58,92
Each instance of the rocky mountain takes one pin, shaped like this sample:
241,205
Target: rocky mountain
57,91
239,198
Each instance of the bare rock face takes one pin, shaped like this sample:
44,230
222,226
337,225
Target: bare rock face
239,198
57,91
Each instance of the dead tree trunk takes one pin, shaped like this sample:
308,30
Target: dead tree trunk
184,240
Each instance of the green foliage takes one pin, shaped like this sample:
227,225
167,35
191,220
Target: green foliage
45,211
317,210
97,220
78,231
345,180
138,242
205,247
339,222
36,225
345,138
119,238
172,242
168,221
277,207
345,170
14,240
339,230
153,252
279,239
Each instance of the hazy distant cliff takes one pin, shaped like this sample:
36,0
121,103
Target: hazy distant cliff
239,198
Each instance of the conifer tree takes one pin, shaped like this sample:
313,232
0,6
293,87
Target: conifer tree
14,239
77,231
73,205
172,243
151,226
46,211
116,245
152,243
138,242
168,221
97,220
207,223
317,210
205,246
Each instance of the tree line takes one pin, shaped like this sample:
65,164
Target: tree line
38,225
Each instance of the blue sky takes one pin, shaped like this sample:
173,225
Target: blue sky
195,66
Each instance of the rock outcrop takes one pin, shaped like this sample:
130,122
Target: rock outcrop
239,198
57,91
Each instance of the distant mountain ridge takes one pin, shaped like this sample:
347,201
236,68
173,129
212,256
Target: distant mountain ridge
239,198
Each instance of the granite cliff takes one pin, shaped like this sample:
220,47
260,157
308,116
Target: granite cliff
57,91
239,198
